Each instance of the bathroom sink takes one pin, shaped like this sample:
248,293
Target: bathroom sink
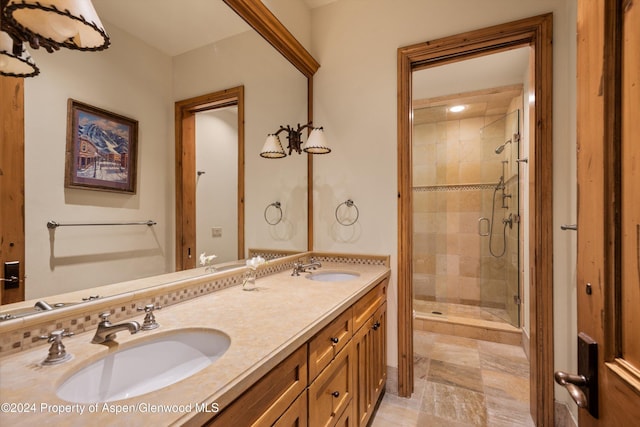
332,276
145,367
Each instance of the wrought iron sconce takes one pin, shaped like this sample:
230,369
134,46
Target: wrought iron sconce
316,144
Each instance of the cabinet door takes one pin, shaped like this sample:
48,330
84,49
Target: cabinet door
379,351
363,352
331,393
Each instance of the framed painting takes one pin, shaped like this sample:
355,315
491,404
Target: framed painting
101,149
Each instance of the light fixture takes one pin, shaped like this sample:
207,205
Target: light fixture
457,108
316,144
50,24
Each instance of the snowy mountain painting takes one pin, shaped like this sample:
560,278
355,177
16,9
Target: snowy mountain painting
103,149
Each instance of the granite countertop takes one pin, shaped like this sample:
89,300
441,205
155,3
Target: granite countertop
265,326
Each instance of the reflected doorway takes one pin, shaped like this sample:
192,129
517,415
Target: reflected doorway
217,183
187,171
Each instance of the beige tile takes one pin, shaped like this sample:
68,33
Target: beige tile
506,386
507,413
454,403
455,374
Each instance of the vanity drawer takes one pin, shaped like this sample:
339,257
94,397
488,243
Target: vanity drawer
270,397
367,305
330,395
327,343
296,415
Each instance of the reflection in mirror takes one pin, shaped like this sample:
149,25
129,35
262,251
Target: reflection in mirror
217,183
139,80
466,182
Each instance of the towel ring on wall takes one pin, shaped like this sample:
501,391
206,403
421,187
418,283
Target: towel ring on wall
277,206
349,203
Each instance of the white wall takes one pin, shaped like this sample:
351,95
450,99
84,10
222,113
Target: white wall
355,91
130,79
275,94
217,187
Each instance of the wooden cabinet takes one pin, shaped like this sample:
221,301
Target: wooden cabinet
370,347
331,393
270,397
335,379
328,343
296,415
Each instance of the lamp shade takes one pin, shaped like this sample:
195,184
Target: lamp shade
272,148
317,142
73,24
13,65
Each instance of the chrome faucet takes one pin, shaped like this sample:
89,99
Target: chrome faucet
106,331
299,267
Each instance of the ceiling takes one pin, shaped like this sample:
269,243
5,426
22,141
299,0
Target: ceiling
471,83
173,27
176,27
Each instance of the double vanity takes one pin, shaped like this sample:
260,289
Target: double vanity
295,350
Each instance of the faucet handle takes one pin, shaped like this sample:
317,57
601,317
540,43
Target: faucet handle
104,317
57,352
56,336
149,308
149,321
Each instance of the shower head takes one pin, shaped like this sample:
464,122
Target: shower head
500,149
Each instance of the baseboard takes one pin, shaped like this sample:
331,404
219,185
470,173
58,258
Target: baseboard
562,415
526,343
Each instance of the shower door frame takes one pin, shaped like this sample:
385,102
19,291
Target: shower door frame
535,32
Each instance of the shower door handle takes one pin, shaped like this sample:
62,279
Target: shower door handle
480,221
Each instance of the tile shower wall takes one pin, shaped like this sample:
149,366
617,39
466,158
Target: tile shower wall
455,172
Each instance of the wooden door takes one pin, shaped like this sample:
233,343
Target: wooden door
12,244
608,279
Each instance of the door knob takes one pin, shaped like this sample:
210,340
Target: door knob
583,387
573,383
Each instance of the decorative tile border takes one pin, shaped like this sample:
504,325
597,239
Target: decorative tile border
23,337
352,258
22,334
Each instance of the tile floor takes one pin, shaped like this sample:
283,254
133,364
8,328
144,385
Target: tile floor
461,382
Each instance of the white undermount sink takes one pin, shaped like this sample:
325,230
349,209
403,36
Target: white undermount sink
333,276
145,367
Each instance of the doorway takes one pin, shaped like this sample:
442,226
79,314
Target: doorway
535,33
187,171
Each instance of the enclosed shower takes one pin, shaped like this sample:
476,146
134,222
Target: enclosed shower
466,212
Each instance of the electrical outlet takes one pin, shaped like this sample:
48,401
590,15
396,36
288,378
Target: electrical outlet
216,232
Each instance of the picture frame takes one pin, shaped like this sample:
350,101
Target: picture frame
101,151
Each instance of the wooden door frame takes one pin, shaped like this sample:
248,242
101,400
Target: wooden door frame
12,239
185,118
535,32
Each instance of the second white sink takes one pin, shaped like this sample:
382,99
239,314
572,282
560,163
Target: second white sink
333,276
146,367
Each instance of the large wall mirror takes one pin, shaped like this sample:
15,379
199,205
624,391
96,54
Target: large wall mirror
146,70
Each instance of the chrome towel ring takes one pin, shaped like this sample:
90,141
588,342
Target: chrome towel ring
349,204
276,205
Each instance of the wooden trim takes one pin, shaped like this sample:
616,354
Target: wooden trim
260,18
310,169
405,226
265,23
12,244
537,33
185,111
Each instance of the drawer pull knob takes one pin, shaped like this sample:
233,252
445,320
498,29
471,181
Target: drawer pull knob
335,340
376,326
335,394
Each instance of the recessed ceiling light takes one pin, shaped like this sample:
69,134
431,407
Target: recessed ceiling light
457,108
